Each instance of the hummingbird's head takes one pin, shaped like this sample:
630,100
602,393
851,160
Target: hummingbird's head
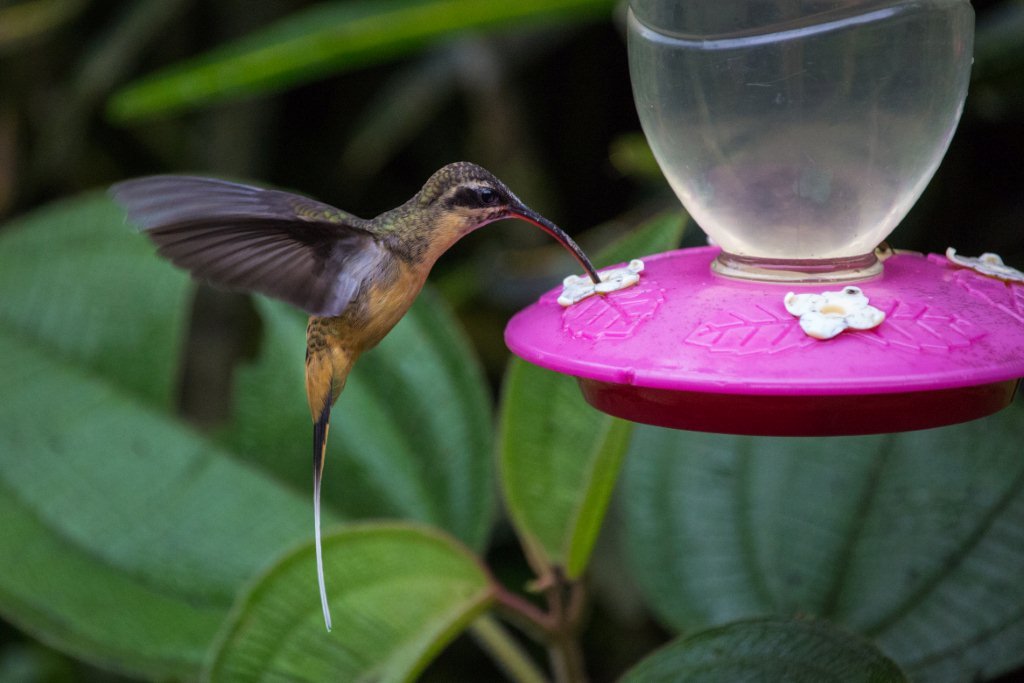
468,197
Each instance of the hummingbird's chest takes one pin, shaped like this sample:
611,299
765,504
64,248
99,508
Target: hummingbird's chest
383,298
387,302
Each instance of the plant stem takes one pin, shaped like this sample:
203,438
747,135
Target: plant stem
567,660
527,616
565,603
505,651
557,628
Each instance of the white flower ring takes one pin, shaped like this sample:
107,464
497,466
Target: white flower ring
575,288
825,315
986,264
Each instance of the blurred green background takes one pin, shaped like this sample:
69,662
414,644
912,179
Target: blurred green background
93,92
539,93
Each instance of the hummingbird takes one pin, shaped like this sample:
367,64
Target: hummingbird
355,277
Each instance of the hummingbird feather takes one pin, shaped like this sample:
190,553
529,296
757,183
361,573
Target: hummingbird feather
307,253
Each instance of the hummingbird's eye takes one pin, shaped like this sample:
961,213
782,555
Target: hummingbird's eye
487,196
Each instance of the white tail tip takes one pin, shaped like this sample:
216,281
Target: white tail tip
320,558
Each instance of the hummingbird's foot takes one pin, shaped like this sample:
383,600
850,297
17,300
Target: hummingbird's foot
576,288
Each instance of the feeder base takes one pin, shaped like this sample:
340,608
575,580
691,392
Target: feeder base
689,349
798,415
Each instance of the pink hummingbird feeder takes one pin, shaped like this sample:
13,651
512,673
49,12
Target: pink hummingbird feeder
797,134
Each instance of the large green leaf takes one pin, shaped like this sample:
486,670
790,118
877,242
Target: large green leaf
327,38
399,593
125,536
768,650
411,435
558,457
913,540
77,281
559,461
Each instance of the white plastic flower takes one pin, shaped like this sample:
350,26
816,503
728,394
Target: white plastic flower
825,315
986,264
575,288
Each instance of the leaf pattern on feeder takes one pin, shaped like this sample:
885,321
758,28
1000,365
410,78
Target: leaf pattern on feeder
615,316
920,327
756,330
912,327
1005,296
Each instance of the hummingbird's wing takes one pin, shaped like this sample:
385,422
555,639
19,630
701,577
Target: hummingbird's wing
307,253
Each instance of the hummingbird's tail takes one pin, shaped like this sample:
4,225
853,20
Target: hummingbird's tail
320,429
327,367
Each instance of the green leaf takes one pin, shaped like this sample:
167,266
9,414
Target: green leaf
77,281
631,155
913,539
61,326
324,39
411,435
558,457
768,650
399,593
125,536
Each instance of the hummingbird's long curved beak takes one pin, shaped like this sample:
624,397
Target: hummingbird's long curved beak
531,216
